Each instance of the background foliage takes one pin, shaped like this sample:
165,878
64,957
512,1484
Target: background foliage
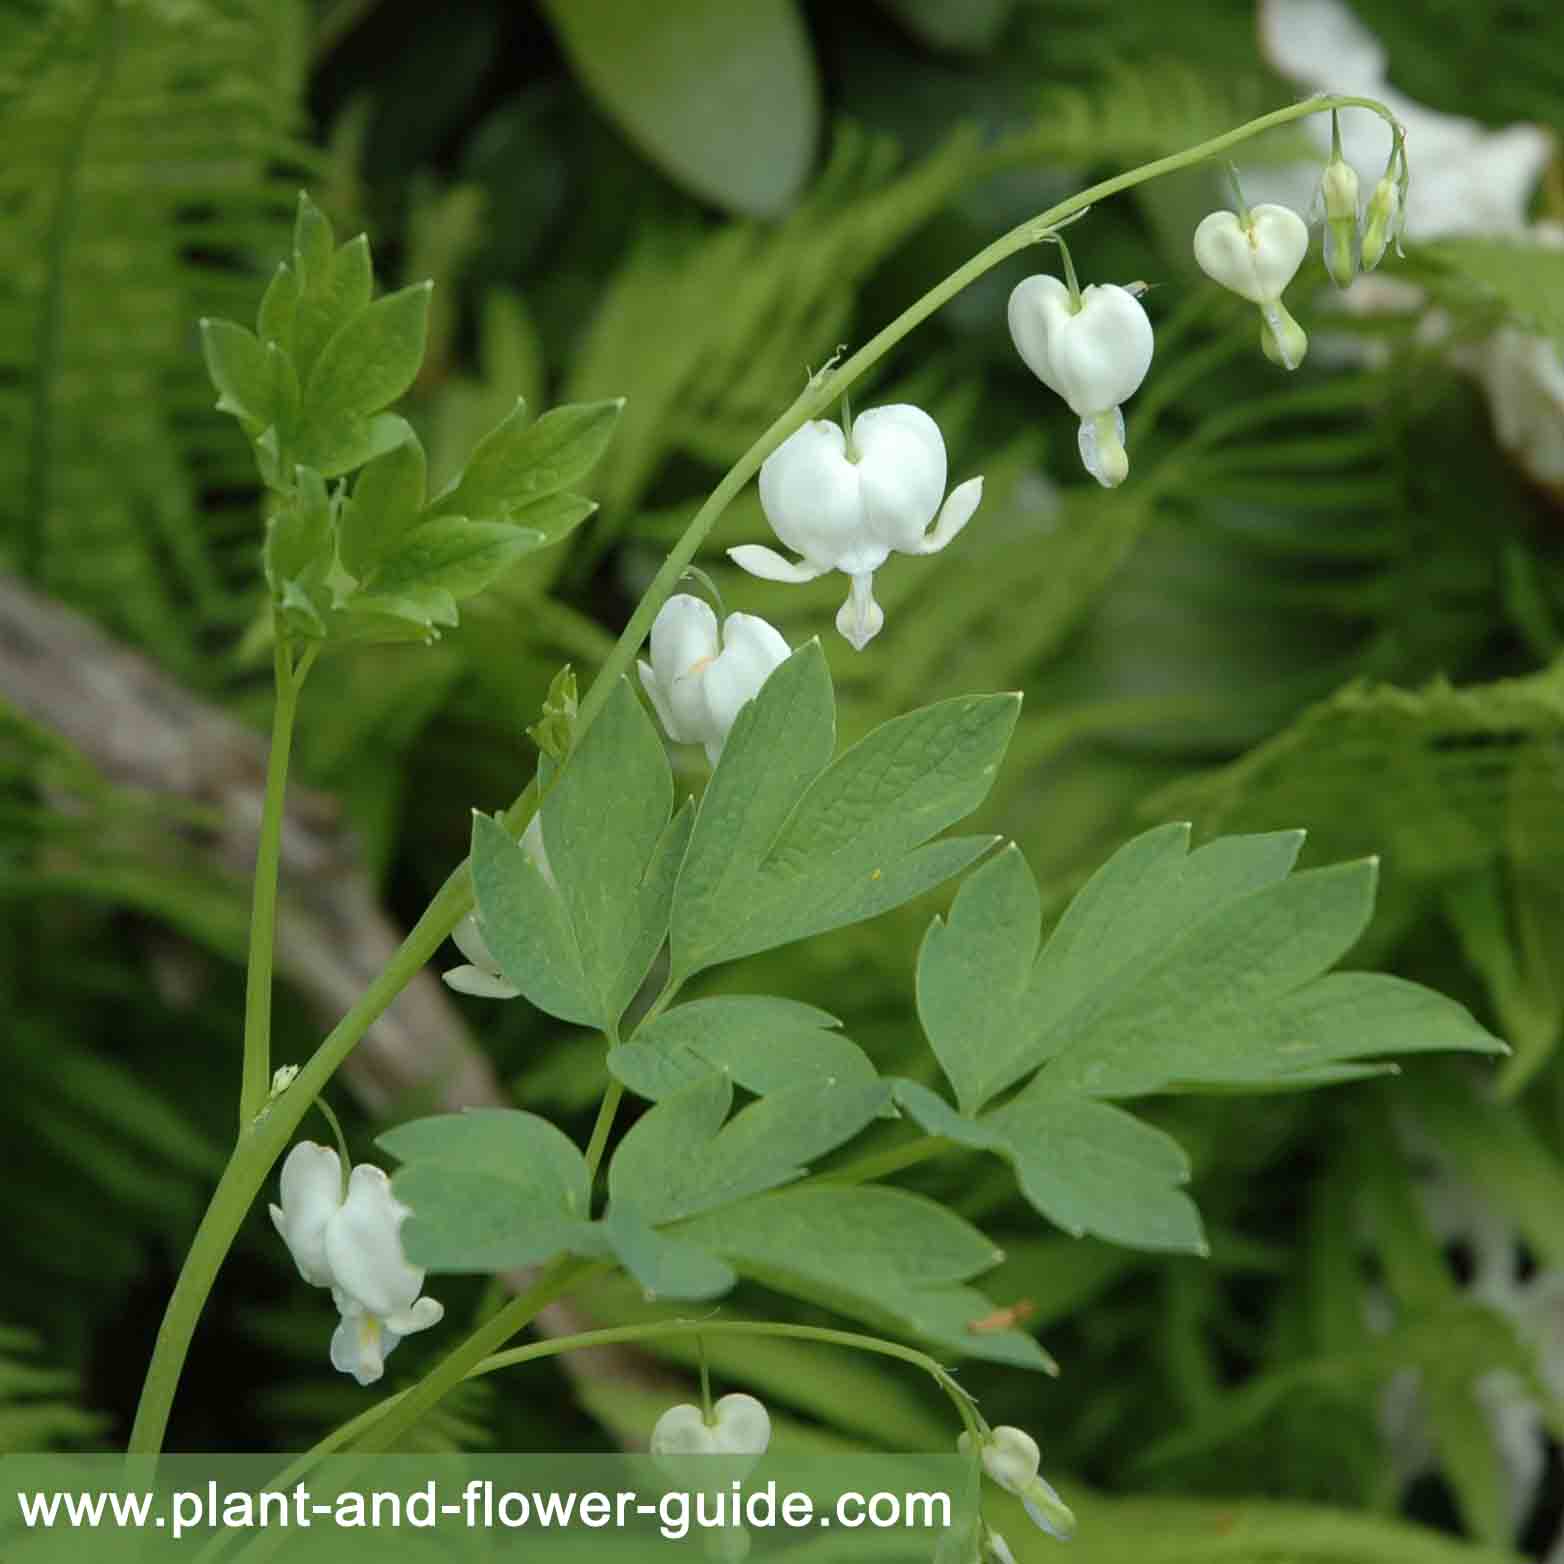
1329,602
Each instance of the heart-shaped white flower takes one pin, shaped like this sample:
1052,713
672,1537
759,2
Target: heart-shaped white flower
1094,355
849,501
701,676
1256,256
350,1241
739,1425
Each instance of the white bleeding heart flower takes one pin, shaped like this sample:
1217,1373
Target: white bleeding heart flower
1094,352
700,676
1256,256
849,502
739,1426
1011,1458
481,976
349,1239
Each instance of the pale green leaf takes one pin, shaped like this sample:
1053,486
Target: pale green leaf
662,1266
894,1259
763,1044
685,1156
489,1188
526,926
767,866
616,882
1169,970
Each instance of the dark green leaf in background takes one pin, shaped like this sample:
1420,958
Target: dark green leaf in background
725,98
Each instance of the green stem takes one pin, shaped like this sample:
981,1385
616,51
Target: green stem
265,1139
617,1335
556,1279
605,1122
255,1082
259,1147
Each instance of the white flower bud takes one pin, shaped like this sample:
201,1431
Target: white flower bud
1094,356
848,504
1383,222
350,1241
1011,1458
1257,257
699,678
1339,194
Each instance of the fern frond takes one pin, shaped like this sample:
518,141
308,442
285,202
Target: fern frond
1134,112
39,1406
142,187
711,334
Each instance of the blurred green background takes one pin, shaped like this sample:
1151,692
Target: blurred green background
1334,600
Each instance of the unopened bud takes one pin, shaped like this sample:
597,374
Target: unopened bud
1383,225
1339,187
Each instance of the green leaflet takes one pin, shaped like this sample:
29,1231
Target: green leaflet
663,1266
452,554
519,463
789,843
241,370
387,499
1170,970
886,1256
580,947
763,1044
686,1156
488,1188
371,359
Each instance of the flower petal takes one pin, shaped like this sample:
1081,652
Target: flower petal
468,938
360,1346
659,701
740,1425
681,1430
364,1246
860,618
901,473
1038,307
751,651
1101,355
311,1196
480,984
683,634
810,494
771,566
959,508
424,1313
